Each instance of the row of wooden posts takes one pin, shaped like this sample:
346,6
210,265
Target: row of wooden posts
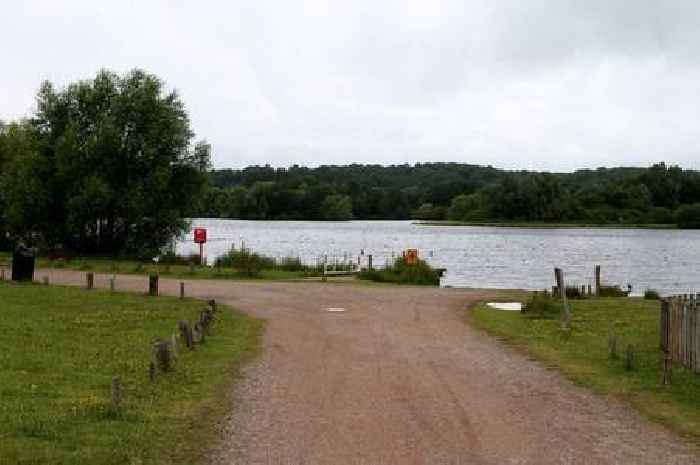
680,332
166,351
153,281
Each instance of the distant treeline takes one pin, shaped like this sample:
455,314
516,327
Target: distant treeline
660,194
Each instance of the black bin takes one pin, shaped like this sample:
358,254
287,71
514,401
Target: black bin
23,264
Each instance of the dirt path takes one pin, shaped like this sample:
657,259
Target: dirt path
398,378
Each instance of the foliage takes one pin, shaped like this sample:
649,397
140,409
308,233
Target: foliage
245,261
583,355
542,305
688,216
651,294
403,273
611,291
103,166
62,346
459,192
336,207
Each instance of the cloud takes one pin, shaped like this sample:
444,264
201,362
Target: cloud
537,84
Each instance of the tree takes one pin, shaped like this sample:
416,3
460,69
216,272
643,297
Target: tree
336,207
688,216
112,170
466,208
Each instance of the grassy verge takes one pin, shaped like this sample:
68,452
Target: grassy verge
120,266
583,355
59,350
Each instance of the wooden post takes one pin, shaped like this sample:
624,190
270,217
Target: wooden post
558,278
212,305
666,380
152,371
612,344
153,285
112,284
629,358
173,346
116,393
369,261
566,314
90,278
2,274
590,290
46,280
162,352
186,333
182,289
597,280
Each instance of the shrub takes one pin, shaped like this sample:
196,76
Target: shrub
542,305
574,292
688,216
401,272
291,264
611,291
171,258
651,294
245,261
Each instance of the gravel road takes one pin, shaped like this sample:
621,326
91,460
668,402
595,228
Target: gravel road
399,378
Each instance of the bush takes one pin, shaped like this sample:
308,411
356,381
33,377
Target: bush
542,305
611,291
688,216
574,292
403,273
651,294
245,261
291,264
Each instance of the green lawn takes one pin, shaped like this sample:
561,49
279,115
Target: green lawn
583,355
112,265
60,348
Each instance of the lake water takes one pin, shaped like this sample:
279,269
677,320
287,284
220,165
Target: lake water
665,260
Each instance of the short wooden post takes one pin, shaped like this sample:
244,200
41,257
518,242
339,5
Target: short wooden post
212,305
112,283
46,280
182,289
90,278
590,290
116,393
629,358
162,352
153,285
2,274
173,346
369,261
566,314
666,380
612,345
186,333
597,280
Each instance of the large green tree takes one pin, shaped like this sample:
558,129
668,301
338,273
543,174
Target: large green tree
111,167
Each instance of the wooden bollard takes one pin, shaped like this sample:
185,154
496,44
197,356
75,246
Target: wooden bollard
153,285
198,333
369,261
186,333
2,274
182,289
629,358
46,280
212,305
612,345
90,280
173,346
666,380
590,290
597,280
112,283
162,353
116,392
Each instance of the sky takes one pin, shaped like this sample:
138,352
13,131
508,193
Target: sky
519,84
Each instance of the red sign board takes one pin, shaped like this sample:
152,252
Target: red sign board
411,256
200,235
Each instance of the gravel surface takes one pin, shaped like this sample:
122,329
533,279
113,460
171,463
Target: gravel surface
399,378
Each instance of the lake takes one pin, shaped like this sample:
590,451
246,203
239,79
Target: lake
487,257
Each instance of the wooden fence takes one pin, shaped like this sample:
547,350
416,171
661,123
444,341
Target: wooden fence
680,330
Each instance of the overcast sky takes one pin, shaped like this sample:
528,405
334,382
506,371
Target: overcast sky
556,84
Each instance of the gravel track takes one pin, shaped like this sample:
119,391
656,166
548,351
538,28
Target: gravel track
399,378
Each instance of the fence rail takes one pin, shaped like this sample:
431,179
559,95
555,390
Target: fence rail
680,330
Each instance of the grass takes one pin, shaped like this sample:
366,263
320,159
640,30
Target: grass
121,266
583,355
59,350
